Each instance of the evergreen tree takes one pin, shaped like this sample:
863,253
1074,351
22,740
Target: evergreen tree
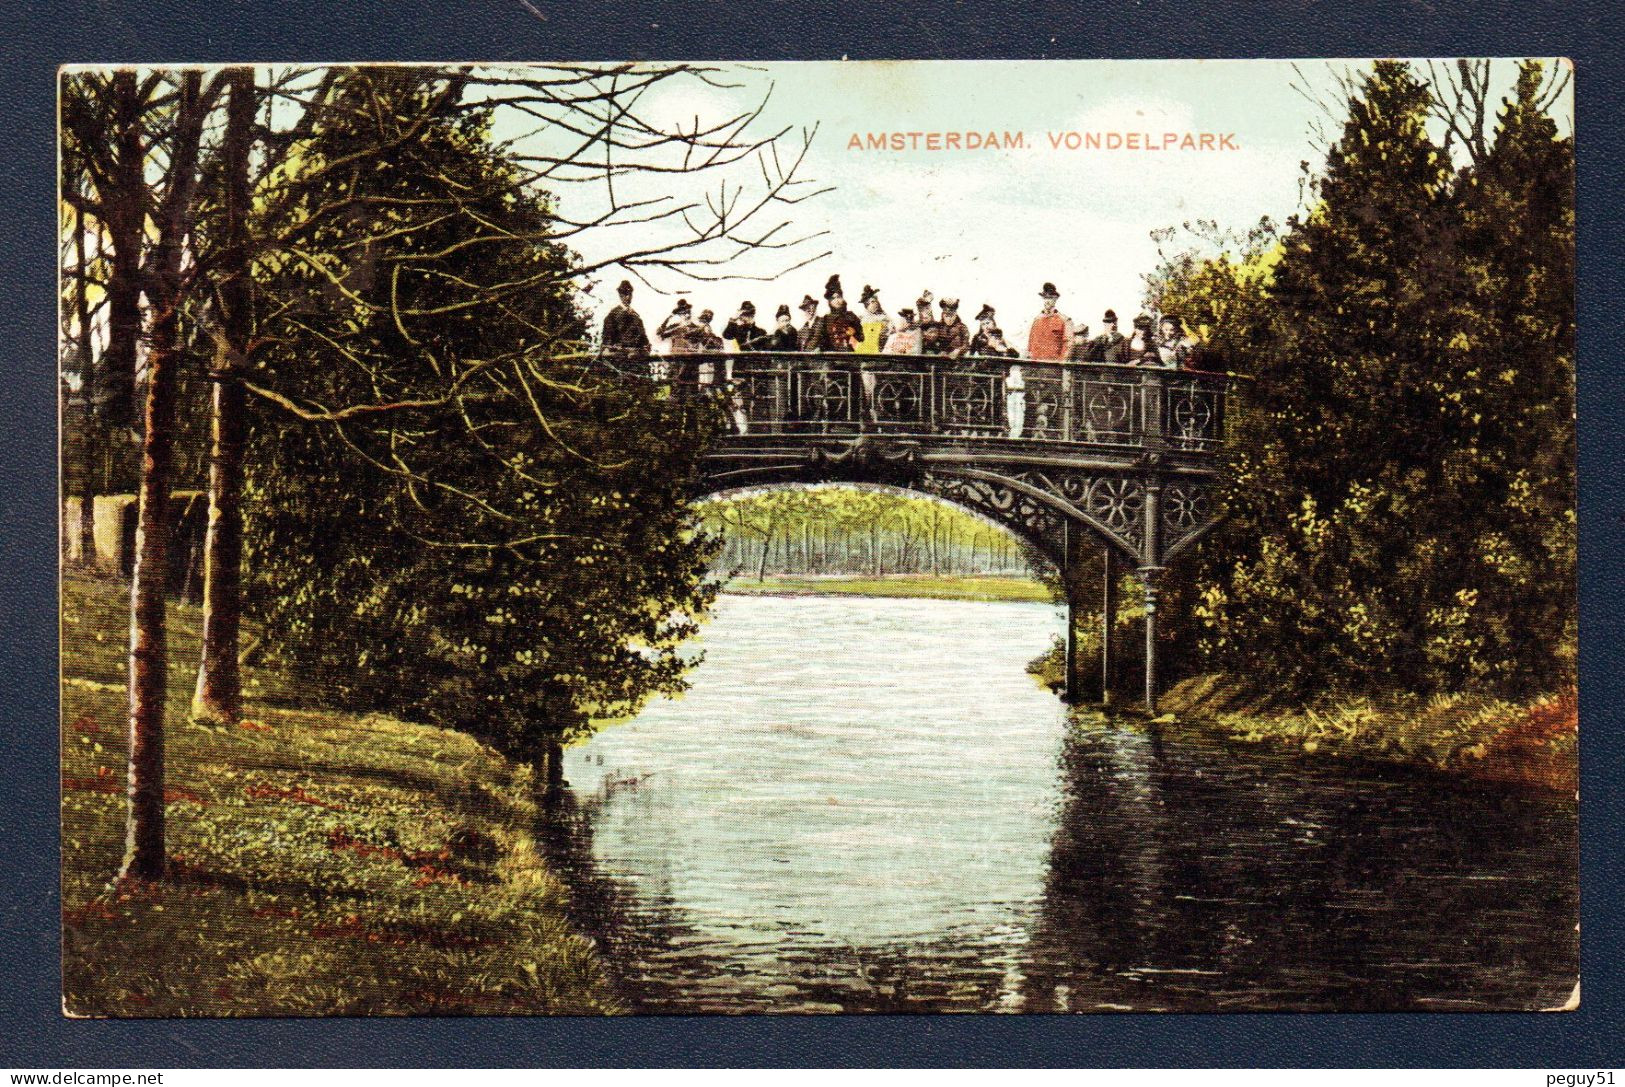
1401,509
1518,241
452,516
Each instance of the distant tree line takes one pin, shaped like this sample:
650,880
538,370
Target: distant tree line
831,530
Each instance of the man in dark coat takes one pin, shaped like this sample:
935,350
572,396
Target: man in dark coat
840,330
743,329
1111,345
954,338
805,334
784,336
624,336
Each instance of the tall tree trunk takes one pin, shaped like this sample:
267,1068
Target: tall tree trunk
125,210
149,672
218,698
144,856
90,446
767,547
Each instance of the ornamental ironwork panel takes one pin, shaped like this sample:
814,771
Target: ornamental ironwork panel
825,399
1192,415
1039,524
970,404
1108,412
763,393
1115,502
1186,509
1045,397
897,399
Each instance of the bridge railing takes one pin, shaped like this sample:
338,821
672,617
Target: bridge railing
976,397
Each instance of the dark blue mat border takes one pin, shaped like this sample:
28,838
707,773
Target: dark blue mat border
40,36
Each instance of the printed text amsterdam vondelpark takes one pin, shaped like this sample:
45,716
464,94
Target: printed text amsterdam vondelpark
1071,140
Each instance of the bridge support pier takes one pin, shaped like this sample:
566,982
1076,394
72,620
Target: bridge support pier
1108,620
1069,581
1151,566
1148,581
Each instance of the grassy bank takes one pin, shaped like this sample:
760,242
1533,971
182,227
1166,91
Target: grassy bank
930,586
324,863
1533,741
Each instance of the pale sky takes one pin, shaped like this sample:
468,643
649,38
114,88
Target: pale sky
993,225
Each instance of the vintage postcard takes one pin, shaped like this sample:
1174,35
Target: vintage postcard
819,537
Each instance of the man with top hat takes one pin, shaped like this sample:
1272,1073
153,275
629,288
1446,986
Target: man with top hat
805,334
840,329
953,339
1051,332
743,331
1111,345
876,326
624,336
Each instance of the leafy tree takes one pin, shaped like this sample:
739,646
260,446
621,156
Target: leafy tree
1401,501
1517,208
452,515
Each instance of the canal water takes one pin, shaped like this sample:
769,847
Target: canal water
868,805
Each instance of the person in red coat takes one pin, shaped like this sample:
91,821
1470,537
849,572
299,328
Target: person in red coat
1051,333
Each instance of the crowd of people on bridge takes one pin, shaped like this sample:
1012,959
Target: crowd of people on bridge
928,327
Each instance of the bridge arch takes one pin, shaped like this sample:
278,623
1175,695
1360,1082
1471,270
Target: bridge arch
1068,456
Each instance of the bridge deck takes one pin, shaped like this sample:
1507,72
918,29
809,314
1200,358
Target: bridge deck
1012,405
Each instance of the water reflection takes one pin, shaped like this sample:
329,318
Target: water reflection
1184,877
867,806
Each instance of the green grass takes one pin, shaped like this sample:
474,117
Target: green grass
931,586
1532,741
323,863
